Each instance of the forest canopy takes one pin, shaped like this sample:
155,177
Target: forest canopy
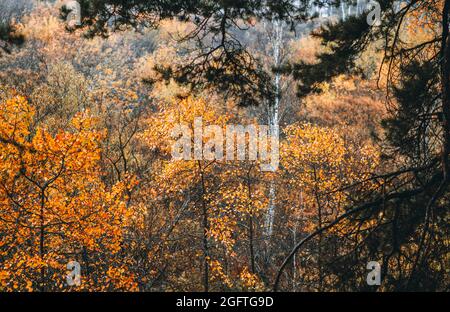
356,94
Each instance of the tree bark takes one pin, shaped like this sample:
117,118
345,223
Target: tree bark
205,232
445,77
250,228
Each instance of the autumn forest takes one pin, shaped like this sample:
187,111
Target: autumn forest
353,97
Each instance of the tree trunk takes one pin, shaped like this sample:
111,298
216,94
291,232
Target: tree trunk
319,226
205,226
273,116
445,77
250,228
42,239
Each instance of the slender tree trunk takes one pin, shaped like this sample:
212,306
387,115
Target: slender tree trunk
319,226
273,116
343,11
205,228
359,7
445,77
250,228
294,261
42,238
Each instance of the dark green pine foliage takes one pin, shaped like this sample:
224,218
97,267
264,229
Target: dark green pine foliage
410,210
221,61
9,37
416,112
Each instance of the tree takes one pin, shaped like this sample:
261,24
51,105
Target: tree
86,166
318,165
55,207
413,198
10,14
219,59
212,200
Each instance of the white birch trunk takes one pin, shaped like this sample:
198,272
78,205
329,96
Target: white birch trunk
343,11
273,117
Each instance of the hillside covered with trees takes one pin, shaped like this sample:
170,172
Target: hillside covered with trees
360,109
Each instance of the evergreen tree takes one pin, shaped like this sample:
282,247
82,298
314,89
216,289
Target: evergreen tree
406,220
